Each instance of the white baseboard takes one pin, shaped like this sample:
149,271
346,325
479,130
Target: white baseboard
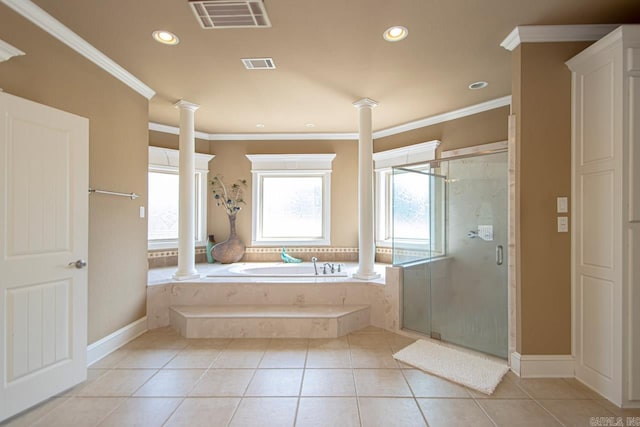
114,341
542,366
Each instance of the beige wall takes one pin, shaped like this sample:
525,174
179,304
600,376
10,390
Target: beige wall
542,105
482,128
52,74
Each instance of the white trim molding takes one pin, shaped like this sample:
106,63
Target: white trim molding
476,149
543,366
265,166
422,152
107,345
345,136
555,33
168,157
445,117
7,51
51,25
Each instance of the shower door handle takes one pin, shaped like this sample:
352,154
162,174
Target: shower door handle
499,255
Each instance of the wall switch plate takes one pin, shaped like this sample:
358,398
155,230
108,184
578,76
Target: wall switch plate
562,204
141,211
563,224
485,232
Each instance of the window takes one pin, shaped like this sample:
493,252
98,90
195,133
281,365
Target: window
163,200
413,223
291,199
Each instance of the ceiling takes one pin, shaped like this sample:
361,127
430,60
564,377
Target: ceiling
328,54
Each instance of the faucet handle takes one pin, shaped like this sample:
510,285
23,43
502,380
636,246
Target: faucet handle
314,259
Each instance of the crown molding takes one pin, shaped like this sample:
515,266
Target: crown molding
445,117
555,33
415,153
48,23
7,51
158,127
429,121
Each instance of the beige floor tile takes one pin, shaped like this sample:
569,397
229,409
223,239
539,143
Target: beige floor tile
204,412
453,412
80,411
373,358
92,375
398,342
223,383
381,383
110,360
515,412
275,383
234,358
369,330
146,359
576,413
390,412
329,343
249,344
170,383
620,412
369,341
265,411
29,417
328,358
328,382
284,358
288,344
426,385
328,412
193,358
117,382
142,412
507,389
208,343
551,388
574,383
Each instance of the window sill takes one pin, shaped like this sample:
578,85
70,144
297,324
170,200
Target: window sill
292,243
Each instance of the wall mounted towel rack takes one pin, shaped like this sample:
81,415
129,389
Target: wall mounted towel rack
132,196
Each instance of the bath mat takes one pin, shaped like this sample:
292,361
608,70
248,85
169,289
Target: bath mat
463,367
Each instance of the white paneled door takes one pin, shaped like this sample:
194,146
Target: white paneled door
43,250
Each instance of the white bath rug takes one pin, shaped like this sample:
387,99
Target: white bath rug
463,367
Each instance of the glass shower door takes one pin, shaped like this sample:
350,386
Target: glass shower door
417,209
469,301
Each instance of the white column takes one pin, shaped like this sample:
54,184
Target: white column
186,226
366,243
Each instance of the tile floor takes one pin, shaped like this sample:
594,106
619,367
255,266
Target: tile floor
162,379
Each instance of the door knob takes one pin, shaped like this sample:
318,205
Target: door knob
78,264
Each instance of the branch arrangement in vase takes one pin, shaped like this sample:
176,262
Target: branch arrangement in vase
229,197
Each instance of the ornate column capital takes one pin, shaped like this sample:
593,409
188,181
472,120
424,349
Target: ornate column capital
186,105
365,102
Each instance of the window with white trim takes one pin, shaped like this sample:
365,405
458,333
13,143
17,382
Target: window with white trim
415,224
291,199
163,198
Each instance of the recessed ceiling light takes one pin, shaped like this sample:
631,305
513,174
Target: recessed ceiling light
310,125
395,33
165,37
478,85
260,125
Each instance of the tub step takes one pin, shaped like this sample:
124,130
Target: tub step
268,321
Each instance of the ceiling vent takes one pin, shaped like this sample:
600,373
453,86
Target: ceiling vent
230,14
259,64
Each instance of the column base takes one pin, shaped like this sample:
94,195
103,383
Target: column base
188,276
365,276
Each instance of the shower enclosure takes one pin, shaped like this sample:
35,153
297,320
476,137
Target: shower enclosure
449,222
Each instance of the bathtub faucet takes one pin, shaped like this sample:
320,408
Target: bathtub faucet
331,267
315,267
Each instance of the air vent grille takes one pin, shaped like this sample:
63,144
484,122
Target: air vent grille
230,14
259,63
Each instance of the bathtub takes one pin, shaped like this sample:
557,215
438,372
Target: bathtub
304,269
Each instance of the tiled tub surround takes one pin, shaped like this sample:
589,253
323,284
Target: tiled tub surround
382,296
169,257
